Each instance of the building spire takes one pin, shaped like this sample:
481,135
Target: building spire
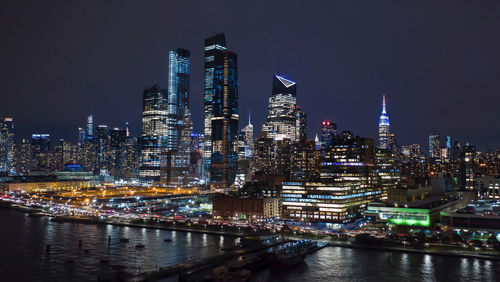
249,117
383,105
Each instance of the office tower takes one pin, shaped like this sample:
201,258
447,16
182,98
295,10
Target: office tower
248,139
6,145
449,147
89,135
117,151
40,149
345,187
328,132
154,133
383,127
221,111
23,161
175,160
282,119
304,161
81,136
132,158
215,46
434,151
102,144
196,160
300,124
387,171
468,167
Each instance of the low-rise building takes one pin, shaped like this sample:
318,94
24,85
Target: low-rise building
247,208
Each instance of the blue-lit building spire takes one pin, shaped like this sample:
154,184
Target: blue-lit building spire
383,127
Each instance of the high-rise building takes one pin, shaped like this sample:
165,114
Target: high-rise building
328,132
346,186
387,170
282,119
468,167
248,142
102,144
176,159
154,133
81,136
449,147
117,151
6,145
221,111
40,149
89,134
215,46
383,127
23,160
434,148
300,124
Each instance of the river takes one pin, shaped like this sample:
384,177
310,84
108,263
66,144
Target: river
23,256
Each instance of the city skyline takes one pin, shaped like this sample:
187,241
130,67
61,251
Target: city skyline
102,80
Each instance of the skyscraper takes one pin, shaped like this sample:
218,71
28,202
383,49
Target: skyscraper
383,127
6,145
282,121
434,149
175,161
40,149
221,111
328,132
449,147
89,135
154,133
214,46
248,138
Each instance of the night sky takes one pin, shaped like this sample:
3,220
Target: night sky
438,63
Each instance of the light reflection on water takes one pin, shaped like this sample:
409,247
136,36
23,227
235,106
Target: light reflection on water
23,256
341,264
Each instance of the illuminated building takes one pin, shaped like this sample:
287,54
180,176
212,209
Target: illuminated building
300,124
154,133
449,147
221,111
304,161
6,145
245,208
23,161
489,187
214,46
346,186
102,143
40,149
175,161
434,148
468,167
383,127
81,136
387,170
248,139
282,121
117,154
328,132
89,134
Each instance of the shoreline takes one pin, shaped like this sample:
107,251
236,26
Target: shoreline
331,243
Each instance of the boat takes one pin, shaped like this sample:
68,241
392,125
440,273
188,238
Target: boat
284,260
124,240
140,246
167,240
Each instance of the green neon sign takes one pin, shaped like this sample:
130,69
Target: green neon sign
399,221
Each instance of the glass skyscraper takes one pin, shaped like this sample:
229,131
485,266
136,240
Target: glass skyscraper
221,111
434,148
176,158
283,119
